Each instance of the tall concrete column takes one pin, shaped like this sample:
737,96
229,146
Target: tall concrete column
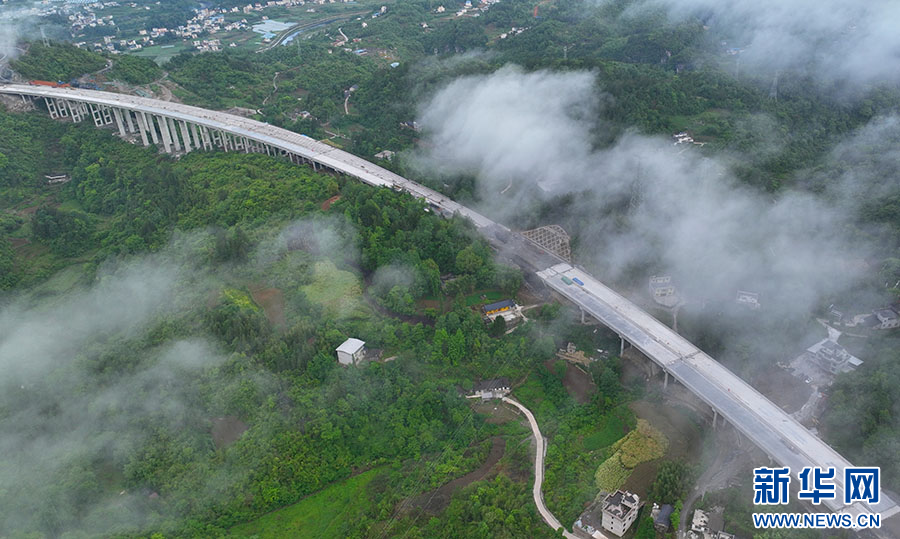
164,131
207,142
51,108
128,120
106,115
148,121
173,134
666,382
715,418
97,114
75,111
197,142
142,127
185,136
621,346
61,107
119,123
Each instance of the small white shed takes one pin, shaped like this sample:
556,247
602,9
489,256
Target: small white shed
351,351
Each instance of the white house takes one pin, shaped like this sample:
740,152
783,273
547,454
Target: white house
496,388
620,509
887,319
351,351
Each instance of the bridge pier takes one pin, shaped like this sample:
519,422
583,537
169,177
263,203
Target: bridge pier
61,107
206,138
149,122
173,133
76,111
51,108
582,314
186,137
142,128
164,131
715,418
119,123
197,142
128,121
96,114
666,381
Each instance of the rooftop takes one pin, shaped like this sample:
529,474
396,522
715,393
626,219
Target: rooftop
351,346
620,503
490,385
507,303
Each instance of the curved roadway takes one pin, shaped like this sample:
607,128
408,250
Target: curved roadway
767,425
539,471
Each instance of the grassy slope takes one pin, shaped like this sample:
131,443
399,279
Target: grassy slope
318,515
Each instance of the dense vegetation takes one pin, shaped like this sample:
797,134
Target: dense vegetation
57,62
271,375
390,273
135,69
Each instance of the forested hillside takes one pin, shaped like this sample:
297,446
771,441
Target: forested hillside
185,312
248,341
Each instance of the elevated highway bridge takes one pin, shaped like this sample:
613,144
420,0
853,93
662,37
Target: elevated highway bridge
183,128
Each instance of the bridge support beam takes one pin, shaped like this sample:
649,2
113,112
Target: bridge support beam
61,107
51,108
582,314
715,418
119,123
196,140
164,131
186,137
666,381
142,128
128,121
97,115
148,121
205,136
75,111
173,134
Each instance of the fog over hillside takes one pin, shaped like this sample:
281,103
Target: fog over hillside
686,214
843,41
67,402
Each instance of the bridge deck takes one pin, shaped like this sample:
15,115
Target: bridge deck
277,137
769,427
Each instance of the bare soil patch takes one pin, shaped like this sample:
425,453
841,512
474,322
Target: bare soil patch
226,430
437,500
787,391
272,302
579,384
327,204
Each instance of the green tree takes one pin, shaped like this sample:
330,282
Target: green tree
498,327
468,261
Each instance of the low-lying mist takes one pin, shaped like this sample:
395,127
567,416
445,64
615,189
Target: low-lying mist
88,377
643,206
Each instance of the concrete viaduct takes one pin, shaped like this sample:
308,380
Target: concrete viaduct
183,128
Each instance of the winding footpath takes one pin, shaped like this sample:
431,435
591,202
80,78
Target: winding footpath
539,471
